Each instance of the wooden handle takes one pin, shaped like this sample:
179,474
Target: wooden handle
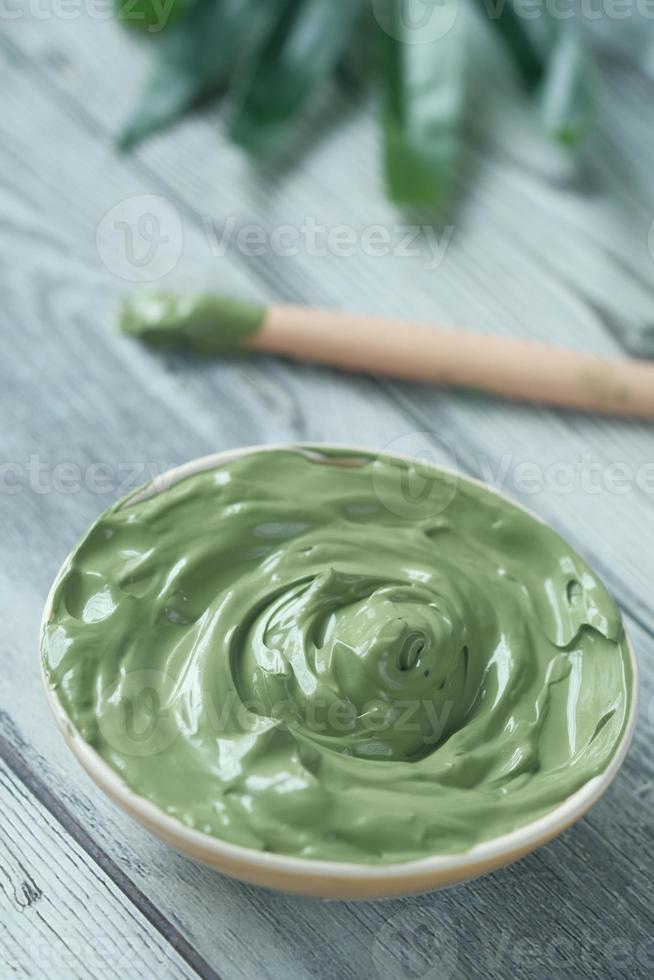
519,369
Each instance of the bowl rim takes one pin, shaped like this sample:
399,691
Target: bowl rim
492,852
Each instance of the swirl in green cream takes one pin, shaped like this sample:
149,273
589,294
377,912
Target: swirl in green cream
338,656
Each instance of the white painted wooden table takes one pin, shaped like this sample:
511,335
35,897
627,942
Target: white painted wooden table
531,248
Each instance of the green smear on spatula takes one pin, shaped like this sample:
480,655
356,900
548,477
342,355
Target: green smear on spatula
207,323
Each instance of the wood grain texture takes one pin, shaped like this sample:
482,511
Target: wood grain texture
61,916
534,249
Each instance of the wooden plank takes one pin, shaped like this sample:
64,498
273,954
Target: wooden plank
60,914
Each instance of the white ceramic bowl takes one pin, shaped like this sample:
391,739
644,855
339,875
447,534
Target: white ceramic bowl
335,879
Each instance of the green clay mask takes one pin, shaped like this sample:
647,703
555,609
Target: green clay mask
207,324
338,656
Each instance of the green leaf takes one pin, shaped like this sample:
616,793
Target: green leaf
148,15
553,63
194,58
303,48
424,80
568,99
524,39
